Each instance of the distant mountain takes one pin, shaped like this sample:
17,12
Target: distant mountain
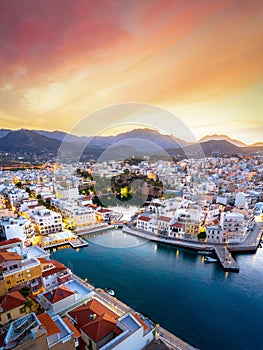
216,137
4,132
222,147
27,141
257,144
61,136
39,145
153,136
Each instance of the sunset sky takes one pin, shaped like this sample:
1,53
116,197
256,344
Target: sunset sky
202,61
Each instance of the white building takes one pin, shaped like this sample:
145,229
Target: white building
78,216
214,233
241,200
47,221
19,227
232,224
143,223
16,195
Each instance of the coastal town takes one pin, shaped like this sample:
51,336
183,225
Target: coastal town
213,206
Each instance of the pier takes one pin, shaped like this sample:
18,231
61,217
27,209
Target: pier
226,260
78,243
223,252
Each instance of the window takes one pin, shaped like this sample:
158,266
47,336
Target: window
21,310
9,316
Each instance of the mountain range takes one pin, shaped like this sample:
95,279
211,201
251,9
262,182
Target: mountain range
24,144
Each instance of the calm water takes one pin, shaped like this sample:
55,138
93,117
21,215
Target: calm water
198,302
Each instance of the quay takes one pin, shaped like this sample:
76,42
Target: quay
226,260
171,340
78,243
223,252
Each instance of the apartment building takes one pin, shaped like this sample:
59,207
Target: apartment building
232,224
18,271
47,221
19,227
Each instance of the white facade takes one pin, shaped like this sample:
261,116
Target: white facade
47,221
215,234
143,223
78,216
232,224
241,200
16,195
19,227
133,336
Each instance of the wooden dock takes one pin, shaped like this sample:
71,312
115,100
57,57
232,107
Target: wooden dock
226,260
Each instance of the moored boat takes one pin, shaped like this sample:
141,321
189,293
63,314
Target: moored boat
208,259
110,291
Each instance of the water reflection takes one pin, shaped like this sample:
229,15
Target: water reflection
115,238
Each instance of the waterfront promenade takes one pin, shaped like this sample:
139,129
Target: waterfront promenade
222,250
171,340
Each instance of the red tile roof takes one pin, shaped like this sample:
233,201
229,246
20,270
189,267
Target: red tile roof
58,294
58,267
72,327
164,218
100,327
49,324
10,241
7,256
177,224
144,218
104,210
12,300
82,313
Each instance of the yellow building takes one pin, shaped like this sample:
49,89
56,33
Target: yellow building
17,271
11,307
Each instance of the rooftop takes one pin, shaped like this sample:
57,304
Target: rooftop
58,294
11,300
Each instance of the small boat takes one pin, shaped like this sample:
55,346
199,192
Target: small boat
204,252
208,259
110,291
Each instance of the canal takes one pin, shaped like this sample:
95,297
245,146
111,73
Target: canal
198,302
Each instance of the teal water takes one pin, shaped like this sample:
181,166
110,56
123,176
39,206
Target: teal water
198,302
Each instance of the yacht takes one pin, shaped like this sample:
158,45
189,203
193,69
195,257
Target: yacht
110,291
208,259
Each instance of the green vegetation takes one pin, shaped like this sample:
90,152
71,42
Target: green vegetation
201,235
25,291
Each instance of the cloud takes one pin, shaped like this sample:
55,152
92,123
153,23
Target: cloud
46,35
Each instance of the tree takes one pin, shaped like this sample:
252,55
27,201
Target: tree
201,235
25,291
19,184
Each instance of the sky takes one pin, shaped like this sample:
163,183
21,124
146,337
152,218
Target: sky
200,61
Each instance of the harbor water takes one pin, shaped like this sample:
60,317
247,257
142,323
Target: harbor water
198,302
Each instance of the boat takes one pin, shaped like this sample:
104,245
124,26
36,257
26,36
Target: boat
204,252
208,259
110,291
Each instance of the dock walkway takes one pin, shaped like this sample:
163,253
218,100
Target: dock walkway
78,243
226,260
